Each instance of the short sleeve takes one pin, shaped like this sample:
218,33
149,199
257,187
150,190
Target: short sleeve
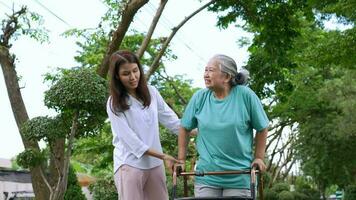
189,120
259,119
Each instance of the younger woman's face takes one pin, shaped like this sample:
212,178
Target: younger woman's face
129,75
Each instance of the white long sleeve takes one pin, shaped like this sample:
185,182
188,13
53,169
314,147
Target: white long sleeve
166,116
125,134
137,129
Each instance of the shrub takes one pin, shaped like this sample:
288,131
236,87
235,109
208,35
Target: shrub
270,194
285,195
300,196
104,189
350,192
279,187
74,191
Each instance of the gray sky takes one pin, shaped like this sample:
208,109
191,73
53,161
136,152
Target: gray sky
194,44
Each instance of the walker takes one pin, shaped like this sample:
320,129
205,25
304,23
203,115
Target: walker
253,172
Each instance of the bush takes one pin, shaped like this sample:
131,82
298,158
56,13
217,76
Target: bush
104,189
279,187
270,194
311,193
285,195
74,191
350,192
300,196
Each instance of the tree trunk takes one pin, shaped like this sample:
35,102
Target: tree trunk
21,116
127,17
56,160
63,183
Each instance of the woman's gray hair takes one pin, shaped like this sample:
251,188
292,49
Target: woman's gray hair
228,65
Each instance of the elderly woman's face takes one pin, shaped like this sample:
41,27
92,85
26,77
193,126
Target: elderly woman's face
213,76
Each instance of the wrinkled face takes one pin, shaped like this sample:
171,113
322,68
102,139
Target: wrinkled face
214,78
129,75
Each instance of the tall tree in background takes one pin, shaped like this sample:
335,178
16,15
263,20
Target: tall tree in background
17,23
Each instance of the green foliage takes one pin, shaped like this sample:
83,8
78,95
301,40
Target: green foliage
344,10
275,25
30,158
281,191
29,24
32,26
300,196
270,194
104,189
285,195
113,15
350,192
15,165
47,128
77,89
74,191
87,148
267,178
78,167
326,124
280,187
93,47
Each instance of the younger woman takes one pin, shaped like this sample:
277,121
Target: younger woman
135,110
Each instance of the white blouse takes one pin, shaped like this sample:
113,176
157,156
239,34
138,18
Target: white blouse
137,129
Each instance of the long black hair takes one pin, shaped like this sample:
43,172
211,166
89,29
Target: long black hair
118,92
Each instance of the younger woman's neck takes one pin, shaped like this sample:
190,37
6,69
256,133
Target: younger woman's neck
132,93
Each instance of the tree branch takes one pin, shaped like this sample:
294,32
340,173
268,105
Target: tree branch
269,166
127,17
155,63
289,168
167,78
11,27
153,25
276,134
46,182
73,132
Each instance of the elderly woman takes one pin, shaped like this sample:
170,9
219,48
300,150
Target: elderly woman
225,113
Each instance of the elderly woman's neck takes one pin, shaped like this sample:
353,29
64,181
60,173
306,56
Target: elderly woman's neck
222,92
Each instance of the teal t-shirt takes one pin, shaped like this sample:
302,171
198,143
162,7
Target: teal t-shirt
225,135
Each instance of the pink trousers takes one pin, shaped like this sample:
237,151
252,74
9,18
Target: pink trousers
141,184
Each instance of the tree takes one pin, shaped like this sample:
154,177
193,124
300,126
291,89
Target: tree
19,22
79,95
